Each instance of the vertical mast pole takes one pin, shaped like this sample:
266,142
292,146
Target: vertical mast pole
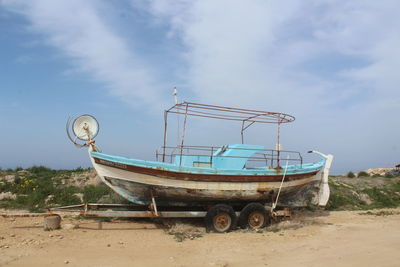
278,144
241,132
183,134
178,135
165,133
175,93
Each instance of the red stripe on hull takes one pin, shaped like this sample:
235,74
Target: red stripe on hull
202,177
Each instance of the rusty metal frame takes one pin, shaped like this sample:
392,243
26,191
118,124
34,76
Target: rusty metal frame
247,116
126,211
97,210
229,113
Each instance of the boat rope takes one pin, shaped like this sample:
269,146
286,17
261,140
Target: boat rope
280,187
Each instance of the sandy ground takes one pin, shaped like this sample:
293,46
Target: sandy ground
343,238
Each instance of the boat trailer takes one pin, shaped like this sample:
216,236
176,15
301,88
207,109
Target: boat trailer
218,218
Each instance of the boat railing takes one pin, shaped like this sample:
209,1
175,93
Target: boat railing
208,154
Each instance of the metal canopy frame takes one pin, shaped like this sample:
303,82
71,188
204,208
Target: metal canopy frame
229,113
247,116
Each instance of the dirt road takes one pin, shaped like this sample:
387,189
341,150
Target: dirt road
344,238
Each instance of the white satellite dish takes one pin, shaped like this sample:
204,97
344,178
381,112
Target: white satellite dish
85,127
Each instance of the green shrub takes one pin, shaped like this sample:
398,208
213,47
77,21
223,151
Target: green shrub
66,196
40,170
396,187
363,174
339,201
389,175
92,193
7,187
350,174
79,169
17,180
383,198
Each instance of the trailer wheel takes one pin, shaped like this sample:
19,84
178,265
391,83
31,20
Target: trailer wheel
221,218
253,216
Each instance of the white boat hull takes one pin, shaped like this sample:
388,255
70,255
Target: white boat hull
138,188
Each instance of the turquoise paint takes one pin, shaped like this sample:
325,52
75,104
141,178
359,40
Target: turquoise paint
224,167
234,157
230,157
191,160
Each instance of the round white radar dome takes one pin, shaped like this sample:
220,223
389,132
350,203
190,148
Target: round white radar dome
85,127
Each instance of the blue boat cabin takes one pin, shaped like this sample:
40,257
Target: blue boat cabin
229,157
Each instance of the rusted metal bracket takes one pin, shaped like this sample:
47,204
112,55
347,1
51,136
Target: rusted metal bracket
282,213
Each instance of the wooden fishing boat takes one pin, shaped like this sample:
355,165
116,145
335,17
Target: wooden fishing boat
184,175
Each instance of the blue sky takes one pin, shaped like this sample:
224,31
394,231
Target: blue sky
332,64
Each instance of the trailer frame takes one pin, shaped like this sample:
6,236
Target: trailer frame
216,215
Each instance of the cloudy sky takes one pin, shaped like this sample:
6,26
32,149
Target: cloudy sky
333,64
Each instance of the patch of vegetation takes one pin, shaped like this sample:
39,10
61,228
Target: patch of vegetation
6,186
273,229
92,193
34,192
350,174
341,201
363,174
80,170
39,170
389,175
66,196
380,213
334,185
181,235
39,187
368,196
383,197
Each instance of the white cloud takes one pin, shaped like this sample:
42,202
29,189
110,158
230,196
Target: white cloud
333,64
242,52
79,29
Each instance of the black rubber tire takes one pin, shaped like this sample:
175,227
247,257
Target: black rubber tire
220,218
251,211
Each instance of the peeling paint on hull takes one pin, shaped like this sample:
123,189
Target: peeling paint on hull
141,193
136,187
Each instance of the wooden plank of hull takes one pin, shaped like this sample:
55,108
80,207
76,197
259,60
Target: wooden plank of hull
135,186
203,177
